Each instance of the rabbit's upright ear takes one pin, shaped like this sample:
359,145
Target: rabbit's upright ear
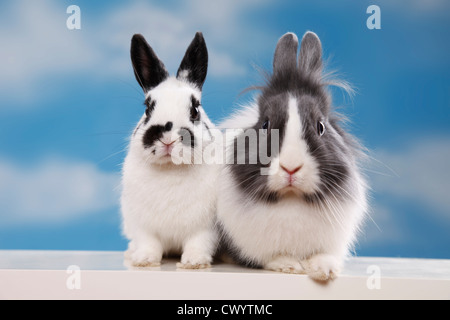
285,58
148,69
194,66
310,59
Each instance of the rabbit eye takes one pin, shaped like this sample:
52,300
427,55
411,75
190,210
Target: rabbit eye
266,126
195,113
195,109
320,128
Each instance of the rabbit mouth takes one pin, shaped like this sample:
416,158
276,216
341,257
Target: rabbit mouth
174,152
294,185
167,148
291,189
292,192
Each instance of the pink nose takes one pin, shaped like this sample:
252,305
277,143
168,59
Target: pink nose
291,172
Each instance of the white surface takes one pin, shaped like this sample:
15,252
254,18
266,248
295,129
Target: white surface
43,275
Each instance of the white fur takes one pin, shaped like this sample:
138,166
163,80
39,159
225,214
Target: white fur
293,154
244,118
291,235
169,208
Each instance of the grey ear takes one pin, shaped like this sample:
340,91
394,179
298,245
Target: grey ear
285,58
310,59
148,69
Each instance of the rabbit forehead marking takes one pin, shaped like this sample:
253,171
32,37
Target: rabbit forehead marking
294,125
293,147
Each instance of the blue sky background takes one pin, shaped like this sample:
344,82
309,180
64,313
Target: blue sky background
69,100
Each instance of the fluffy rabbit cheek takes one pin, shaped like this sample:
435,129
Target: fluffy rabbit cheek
295,170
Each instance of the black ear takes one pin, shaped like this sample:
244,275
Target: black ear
310,59
285,58
148,69
194,66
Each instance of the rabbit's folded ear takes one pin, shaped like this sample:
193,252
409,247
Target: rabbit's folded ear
148,69
285,58
194,66
310,58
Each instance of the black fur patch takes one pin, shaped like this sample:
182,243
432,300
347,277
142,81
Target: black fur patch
195,115
150,107
153,134
168,126
148,69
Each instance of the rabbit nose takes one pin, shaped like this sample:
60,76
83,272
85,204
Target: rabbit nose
291,172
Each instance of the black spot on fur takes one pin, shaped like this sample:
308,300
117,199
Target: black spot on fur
150,107
154,133
168,126
195,115
148,69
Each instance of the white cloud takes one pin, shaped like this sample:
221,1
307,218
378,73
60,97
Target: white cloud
382,228
417,7
423,175
54,191
416,175
169,31
36,43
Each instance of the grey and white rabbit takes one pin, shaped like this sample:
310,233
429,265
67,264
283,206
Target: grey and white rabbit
303,216
168,203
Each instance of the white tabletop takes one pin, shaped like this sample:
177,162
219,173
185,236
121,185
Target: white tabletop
114,261
104,275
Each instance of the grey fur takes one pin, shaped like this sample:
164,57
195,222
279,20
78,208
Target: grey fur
310,58
285,57
335,159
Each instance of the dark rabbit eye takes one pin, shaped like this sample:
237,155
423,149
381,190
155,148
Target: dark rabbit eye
320,128
266,125
195,113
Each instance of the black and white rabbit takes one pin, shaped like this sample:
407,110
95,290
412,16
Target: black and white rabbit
168,205
303,216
